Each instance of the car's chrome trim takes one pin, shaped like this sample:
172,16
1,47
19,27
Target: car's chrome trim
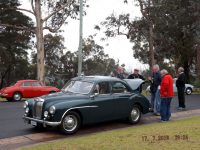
44,122
76,108
53,124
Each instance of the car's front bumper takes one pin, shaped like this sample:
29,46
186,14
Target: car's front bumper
3,95
43,122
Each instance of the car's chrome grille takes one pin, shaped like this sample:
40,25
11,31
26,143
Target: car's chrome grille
37,108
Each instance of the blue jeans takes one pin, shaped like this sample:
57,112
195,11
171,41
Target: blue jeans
157,101
165,108
153,95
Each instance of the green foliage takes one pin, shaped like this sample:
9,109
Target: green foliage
175,31
95,61
197,83
14,43
61,65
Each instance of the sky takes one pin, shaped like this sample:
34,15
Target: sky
119,47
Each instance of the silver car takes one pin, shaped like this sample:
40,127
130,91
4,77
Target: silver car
188,88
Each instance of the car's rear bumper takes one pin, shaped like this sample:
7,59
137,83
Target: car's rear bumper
43,122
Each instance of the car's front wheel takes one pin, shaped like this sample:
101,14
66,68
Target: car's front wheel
135,114
188,91
17,96
70,123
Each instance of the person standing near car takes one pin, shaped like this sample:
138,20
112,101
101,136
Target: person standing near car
180,84
136,75
166,94
155,82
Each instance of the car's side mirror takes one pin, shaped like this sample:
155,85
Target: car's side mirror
94,95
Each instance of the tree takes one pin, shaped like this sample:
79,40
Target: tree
95,61
170,27
145,8
198,62
14,43
56,14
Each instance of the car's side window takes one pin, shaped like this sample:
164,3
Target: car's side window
26,84
118,87
102,88
36,84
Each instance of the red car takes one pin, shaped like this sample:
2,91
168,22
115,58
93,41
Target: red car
26,89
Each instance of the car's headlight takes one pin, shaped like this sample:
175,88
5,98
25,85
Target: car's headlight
52,110
27,110
25,104
46,114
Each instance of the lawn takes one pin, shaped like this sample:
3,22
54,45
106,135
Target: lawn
175,135
2,99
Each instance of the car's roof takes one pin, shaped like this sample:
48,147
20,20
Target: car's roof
96,78
29,80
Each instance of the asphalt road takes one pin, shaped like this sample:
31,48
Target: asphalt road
11,122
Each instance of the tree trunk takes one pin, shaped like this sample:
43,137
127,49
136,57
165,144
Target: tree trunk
151,50
186,71
40,42
198,61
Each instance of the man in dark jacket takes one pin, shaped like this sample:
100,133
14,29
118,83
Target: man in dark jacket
136,75
155,82
180,84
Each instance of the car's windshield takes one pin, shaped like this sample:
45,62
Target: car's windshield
80,87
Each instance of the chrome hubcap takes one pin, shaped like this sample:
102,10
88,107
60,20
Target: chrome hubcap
17,97
188,91
135,114
70,123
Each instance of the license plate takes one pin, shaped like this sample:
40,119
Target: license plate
33,123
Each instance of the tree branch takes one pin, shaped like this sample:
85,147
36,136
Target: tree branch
33,8
56,29
54,12
26,10
20,9
142,9
18,27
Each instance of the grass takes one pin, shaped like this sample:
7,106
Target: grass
196,91
2,99
176,135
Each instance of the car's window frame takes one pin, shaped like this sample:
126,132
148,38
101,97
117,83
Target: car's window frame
97,83
128,89
32,83
80,81
22,84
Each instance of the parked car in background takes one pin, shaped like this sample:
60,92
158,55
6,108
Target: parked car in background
26,89
87,100
188,88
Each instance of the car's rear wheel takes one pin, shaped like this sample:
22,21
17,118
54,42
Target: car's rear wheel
70,123
188,91
135,114
17,96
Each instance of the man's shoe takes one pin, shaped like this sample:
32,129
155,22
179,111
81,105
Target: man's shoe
181,108
157,114
163,121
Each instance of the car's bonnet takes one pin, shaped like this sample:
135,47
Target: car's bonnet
62,96
134,83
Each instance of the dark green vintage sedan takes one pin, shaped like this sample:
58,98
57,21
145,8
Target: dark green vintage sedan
87,100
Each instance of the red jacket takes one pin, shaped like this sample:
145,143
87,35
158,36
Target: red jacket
166,87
